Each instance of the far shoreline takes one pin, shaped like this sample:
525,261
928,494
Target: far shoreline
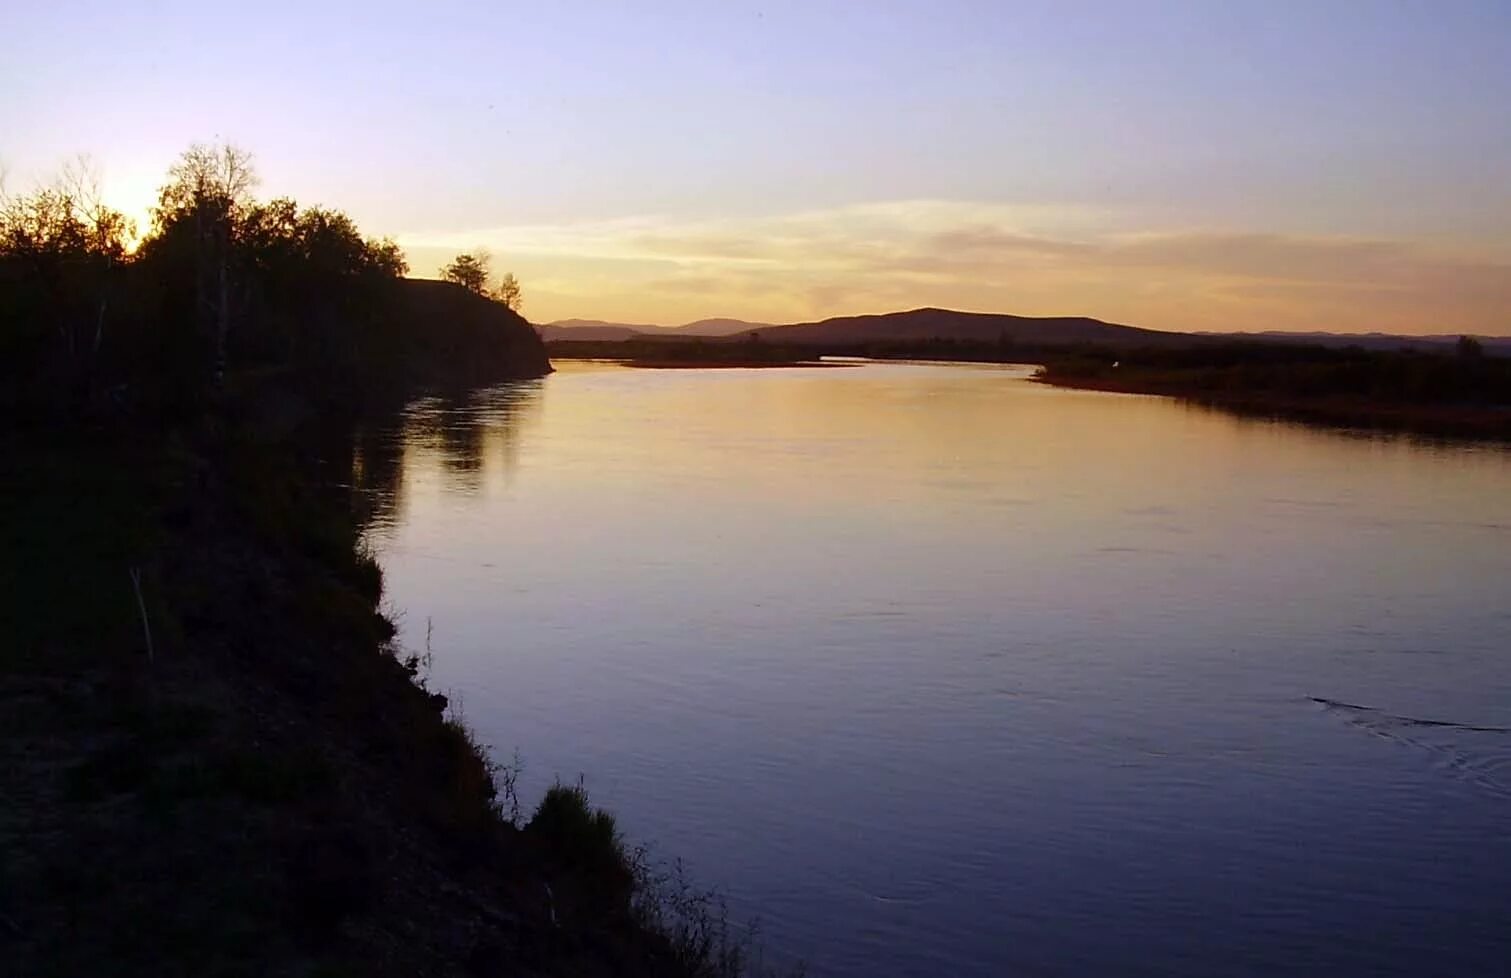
1433,420
728,365
670,363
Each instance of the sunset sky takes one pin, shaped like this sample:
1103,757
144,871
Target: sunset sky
1290,164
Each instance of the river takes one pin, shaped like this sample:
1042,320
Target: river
940,672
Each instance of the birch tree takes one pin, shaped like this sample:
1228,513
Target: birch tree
211,187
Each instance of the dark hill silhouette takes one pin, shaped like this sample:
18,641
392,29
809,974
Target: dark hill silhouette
974,327
458,336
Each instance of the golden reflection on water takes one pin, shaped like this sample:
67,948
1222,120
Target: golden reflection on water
800,439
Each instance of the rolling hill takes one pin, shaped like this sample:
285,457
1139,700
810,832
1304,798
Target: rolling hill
976,327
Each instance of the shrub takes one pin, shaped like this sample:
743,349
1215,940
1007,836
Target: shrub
595,876
582,837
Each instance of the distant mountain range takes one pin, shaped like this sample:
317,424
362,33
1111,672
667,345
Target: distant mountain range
597,329
977,327
918,324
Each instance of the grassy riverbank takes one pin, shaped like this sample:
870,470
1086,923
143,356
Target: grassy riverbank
1465,396
263,787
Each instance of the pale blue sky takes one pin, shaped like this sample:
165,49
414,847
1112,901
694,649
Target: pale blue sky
576,139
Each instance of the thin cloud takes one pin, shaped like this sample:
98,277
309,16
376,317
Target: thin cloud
1029,259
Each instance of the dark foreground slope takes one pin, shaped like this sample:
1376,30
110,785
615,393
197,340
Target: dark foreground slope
266,791
262,787
213,759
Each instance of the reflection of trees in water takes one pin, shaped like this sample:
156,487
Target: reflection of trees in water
510,408
377,473
465,435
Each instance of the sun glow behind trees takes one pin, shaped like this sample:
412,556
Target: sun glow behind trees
221,280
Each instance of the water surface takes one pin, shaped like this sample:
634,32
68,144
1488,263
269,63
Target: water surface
941,672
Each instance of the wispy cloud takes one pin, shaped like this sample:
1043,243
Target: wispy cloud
1028,259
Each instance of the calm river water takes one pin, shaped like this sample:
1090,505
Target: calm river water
939,672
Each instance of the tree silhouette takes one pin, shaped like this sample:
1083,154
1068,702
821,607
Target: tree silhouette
473,269
209,190
69,246
509,292
470,270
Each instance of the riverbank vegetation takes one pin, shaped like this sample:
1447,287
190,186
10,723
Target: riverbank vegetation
1465,393
215,759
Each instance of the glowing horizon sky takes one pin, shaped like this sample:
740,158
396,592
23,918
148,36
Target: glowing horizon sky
1237,165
